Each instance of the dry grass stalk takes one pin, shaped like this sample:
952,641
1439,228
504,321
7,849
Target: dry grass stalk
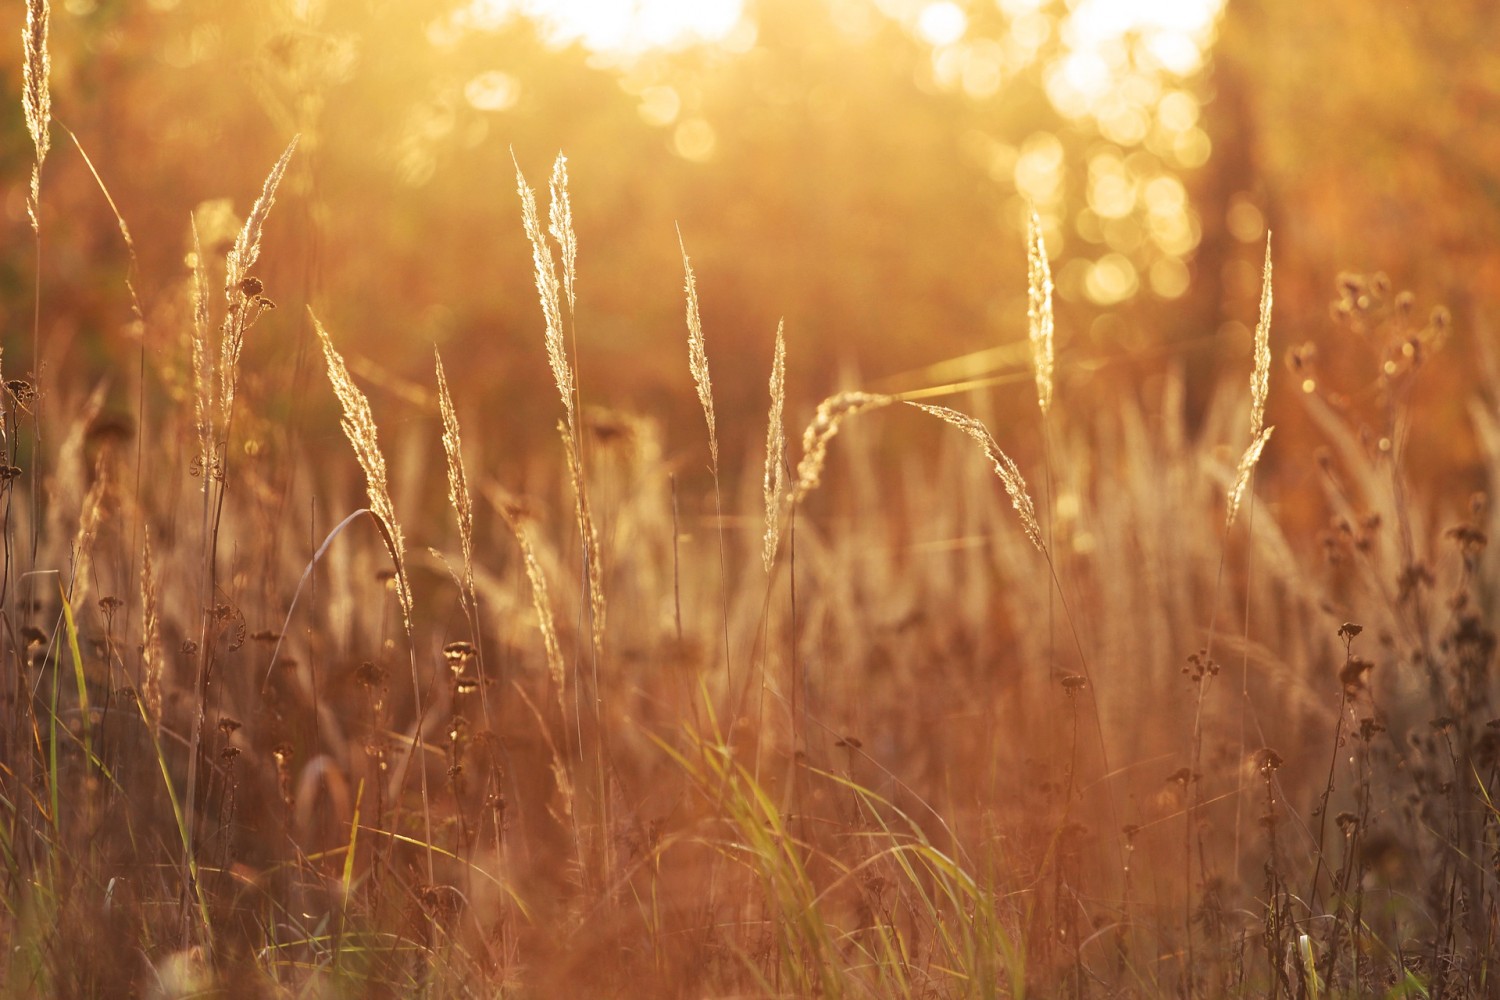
1006,469
832,413
203,380
1260,384
540,601
151,658
560,225
95,503
547,289
36,97
1260,379
1039,311
698,357
1242,475
775,479
458,481
241,291
359,425
590,534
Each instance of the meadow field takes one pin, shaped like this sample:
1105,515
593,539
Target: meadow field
336,664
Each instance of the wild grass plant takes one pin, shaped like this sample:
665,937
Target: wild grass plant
829,743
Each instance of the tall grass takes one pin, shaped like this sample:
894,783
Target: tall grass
206,776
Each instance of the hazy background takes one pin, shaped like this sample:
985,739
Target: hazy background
861,168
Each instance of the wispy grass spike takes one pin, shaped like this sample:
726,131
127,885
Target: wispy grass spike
1010,476
1039,310
775,478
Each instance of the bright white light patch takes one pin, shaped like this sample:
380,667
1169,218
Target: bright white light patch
942,23
619,26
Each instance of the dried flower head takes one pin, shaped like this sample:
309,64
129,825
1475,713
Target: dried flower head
1006,469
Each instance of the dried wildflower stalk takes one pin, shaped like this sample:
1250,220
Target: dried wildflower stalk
1006,469
241,291
832,413
698,357
458,480
359,427
36,97
1039,311
775,478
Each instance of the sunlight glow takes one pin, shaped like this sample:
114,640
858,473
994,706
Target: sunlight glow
618,27
942,23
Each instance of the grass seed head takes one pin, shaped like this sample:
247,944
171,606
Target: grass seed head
831,414
1039,310
1010,476
775,477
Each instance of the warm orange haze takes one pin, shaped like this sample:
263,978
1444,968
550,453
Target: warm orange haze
749,498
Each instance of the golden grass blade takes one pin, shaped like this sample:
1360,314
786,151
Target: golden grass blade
1260,379
548,291
1242,475
832,413
560,225
458,480
1015,484
133,272
698,356
359,426
1039,310
36,96
775,479
590,537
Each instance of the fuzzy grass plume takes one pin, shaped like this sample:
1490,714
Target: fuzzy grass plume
203,376
1015,484
832,413
1260,383
1039,310
515,519
1260,378
36,97
560,225
775,478
590,534
359,425
458,480
548,290
698,356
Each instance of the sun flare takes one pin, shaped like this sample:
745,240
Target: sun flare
620,26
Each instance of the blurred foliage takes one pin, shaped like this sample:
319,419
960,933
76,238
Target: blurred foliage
860,167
